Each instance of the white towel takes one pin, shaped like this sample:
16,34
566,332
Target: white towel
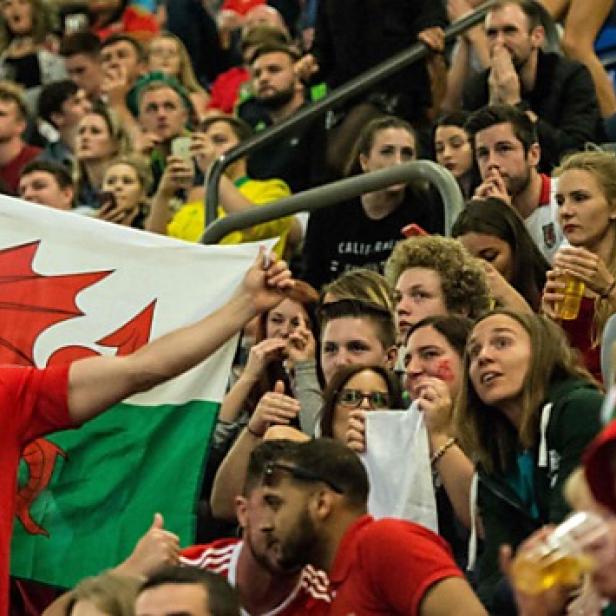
397,459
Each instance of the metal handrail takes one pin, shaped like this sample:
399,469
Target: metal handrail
352,88
335,192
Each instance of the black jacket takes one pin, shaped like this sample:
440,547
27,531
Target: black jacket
564,100
573,422
352,36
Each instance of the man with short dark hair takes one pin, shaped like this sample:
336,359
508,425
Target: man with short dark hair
175,591
15,153
507,152
298,157
122,51
163,114
81,53
123,61
250,563
47,183
557,94
230,87
62,104
316,501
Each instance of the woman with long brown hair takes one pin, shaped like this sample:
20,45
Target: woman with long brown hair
525,414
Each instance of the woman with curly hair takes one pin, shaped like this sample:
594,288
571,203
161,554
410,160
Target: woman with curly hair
435,275
525,414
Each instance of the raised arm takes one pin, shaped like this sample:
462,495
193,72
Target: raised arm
275,408
97,383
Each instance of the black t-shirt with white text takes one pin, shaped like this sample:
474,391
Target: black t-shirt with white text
342,237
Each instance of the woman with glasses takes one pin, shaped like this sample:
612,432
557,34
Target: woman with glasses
434,371
357,387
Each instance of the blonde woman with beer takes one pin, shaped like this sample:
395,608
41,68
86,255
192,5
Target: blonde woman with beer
580,291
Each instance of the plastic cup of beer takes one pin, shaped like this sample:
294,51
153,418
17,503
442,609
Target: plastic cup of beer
569,308
578,546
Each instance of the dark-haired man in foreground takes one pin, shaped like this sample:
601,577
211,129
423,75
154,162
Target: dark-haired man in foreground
316,499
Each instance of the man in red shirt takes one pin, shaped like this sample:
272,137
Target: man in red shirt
315,495
15,153
251,566
34,402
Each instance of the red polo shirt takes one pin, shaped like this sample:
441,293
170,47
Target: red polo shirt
32,403
386,567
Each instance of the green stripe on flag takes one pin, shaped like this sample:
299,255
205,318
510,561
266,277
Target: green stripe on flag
119,470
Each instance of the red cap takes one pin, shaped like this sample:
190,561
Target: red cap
598,467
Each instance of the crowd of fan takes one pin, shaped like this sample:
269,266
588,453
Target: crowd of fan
110,111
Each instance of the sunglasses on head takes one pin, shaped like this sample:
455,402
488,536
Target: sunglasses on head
270,468
354,397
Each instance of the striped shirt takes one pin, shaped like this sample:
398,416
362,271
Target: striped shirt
310,595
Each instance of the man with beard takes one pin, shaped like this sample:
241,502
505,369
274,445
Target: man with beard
557,94
316,512
249,564
298,157
507,152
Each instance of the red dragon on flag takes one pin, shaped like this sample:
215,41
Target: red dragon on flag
30,303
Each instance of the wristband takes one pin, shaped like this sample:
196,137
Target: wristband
442,450
253,432
608,291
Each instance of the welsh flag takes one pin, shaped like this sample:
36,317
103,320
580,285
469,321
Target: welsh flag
73,287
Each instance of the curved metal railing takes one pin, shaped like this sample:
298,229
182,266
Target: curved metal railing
335,192
356,86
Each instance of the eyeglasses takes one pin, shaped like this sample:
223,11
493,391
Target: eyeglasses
353,398
303,474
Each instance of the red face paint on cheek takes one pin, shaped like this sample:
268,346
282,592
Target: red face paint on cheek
444,371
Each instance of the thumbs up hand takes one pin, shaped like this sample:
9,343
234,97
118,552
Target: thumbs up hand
274,408
156,548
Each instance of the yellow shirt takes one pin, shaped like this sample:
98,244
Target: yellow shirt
187,223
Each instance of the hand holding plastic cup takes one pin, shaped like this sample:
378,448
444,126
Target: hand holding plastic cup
569,308
578,546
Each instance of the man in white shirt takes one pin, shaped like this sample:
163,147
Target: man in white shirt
507,152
